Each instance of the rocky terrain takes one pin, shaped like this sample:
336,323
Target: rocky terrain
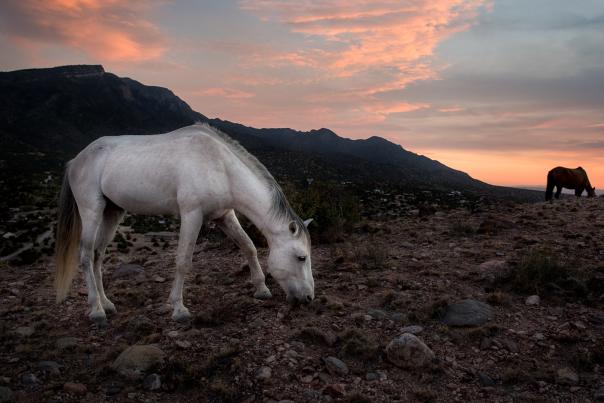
501,302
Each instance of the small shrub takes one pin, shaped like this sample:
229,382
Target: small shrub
425,394
537,269
461,228
371,256
358,346
498,298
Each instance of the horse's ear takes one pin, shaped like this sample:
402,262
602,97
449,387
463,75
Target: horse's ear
307,222
294,228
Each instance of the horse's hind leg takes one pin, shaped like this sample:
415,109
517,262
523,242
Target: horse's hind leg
232,228
91,221
190,224
111,219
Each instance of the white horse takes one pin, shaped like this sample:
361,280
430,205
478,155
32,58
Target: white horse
196,172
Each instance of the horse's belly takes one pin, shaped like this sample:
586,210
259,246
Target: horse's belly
141,188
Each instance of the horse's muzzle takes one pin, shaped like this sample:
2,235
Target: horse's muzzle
295,300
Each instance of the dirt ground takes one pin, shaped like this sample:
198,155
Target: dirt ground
385,277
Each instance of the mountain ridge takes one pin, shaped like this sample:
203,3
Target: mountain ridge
57,111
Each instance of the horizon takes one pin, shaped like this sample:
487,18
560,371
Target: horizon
503,91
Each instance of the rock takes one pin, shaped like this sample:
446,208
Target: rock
315,335
30,380
597,319
307,379
468,312
399,317
371,376
599,395
75,388
6,395
152,382
66,343
141,325
485,380
510,345
377,314
532,300
408,351
50,367
24,331
137,359
128,270
539,336
183,343
335,366
264,373
158,279
492,269
311,395
567,376
334,390
413,329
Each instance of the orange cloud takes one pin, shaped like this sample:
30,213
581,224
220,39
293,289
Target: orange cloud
109,30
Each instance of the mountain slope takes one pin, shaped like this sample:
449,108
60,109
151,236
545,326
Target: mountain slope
48,115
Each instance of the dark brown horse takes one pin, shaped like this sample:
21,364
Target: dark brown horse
561,177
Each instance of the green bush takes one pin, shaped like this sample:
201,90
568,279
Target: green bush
334,209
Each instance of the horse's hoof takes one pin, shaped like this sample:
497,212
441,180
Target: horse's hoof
98,319
109,307
263,293
182,315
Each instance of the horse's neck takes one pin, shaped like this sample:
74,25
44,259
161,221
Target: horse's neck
253,198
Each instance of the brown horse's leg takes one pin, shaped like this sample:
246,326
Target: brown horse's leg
549,188
578,192
558,191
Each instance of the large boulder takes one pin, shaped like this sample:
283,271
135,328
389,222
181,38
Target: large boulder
408,351
135,360
468,312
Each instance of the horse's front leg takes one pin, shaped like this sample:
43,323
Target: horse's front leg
190,224
558,191
230,225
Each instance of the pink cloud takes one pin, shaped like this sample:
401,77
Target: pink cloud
379,46
224,93
109,30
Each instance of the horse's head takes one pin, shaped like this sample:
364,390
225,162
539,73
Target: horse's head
591,191
289,262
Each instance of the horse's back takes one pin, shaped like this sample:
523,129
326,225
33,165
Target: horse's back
568,177
149,173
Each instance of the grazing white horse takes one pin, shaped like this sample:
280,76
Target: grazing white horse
196,172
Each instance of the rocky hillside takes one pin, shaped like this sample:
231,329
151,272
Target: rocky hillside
503,303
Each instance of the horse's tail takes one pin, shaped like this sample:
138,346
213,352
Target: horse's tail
549,190
69,228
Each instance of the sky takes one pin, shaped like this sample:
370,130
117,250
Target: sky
502,89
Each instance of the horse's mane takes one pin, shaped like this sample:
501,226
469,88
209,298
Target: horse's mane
280,207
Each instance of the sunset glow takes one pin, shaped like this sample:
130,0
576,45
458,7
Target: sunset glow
503,90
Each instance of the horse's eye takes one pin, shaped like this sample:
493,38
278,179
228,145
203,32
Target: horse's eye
302,258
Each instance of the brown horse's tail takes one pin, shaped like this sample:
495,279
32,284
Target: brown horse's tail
69,228
549,190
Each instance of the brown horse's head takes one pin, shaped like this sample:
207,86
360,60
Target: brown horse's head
591,191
